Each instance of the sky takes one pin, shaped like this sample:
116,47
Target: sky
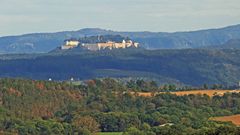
30,16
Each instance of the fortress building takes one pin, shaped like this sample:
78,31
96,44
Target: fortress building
110,45
71,43
100,46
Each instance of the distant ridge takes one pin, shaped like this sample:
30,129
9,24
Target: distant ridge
45,42
231,44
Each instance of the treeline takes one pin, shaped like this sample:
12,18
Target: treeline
103,39
141,85
107,105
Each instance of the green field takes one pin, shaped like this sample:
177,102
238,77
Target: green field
110,133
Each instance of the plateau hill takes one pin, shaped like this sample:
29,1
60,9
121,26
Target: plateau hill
45,42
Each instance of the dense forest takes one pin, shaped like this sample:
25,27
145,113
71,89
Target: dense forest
107,105
187,67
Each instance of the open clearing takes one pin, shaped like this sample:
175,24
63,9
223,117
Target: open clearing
235,119
210,93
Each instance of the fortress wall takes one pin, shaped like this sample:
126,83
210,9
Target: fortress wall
105,45
92,47
120,45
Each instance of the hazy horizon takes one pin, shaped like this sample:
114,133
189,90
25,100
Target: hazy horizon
28,16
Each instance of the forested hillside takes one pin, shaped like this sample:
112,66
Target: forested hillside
191,66
44,107
231,44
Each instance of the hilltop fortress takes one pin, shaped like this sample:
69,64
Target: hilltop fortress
101,43
69,44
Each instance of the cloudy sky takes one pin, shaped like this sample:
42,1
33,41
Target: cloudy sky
27,16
